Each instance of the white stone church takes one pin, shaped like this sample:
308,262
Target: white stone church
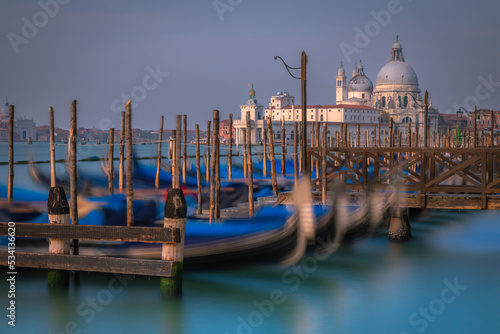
396,92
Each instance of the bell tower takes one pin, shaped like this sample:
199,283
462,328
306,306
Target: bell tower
341,85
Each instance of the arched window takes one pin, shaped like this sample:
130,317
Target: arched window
321,118
383,101
399,100
407,120
405,101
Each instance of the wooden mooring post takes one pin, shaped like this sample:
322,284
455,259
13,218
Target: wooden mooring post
58,209
175,217
212,178
158,157
121,168
358,135
198,169
10,185
129,182
311,163
184,148
178,142
283,146
73,173
230,150
172,157
300,145
207,163
271,152
264,152
245,167
250,166
295,153
52,148
216,143
318,162
323,165
111,166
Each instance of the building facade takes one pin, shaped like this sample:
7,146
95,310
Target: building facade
484,120
282,108
396,92
24,128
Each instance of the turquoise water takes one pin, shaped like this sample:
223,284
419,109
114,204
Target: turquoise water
370,286
444,280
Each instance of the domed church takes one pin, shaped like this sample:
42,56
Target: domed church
396,92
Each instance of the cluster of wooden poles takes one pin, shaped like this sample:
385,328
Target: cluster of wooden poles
344,138
60,214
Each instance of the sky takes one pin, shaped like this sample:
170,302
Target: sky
193,56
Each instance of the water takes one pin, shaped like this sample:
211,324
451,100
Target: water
369,286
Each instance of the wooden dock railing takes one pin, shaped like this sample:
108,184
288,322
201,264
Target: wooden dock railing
91,263
426,173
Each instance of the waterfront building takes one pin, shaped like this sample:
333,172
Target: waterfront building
396,92
282,106
24,128
484,121
257,122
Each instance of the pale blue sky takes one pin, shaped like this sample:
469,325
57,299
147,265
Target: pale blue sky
95,52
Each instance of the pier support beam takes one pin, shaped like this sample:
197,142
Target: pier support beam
399,228
175,217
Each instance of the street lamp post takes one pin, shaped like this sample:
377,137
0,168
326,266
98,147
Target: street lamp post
303,79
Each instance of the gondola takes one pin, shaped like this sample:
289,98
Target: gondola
274,235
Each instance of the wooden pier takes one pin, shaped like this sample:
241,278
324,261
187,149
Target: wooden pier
445,178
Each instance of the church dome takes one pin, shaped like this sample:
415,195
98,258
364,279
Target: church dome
397,72
360,83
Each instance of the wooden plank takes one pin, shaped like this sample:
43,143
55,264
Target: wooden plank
490,186
441,158
452,171
92,232
91,263
452,202
454,189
